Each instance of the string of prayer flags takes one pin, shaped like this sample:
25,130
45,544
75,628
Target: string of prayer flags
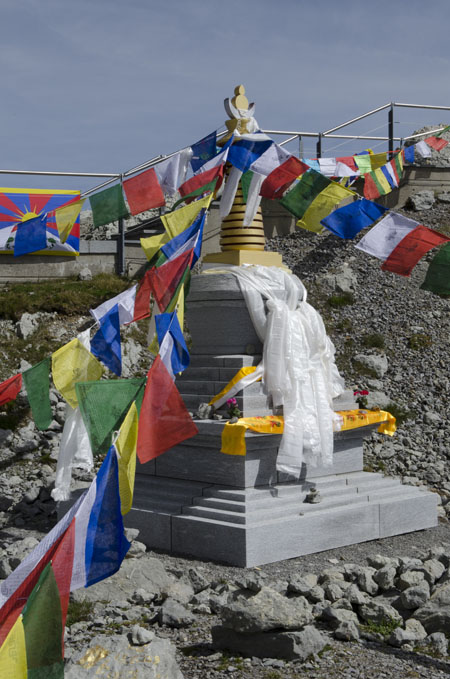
245,184
142,307
37,384
126,454
412,248
13,653
203,150
349,161
322,205
104,405
172,172
108,206
435,143
376,184
31,236
10,388
328,166
310,185
377,160
343,170
280,179
210,187
244,152
189,239
164,420
125,303
437,278
73,363
74,451
312,163
386,235
409,152
105,344
152,244
172,346
423,149
66,217
165,279
177,221
349,220
363,162
201,183
143,192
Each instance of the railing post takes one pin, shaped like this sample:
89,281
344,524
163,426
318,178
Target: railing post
300,146
319,146
121,249
391,129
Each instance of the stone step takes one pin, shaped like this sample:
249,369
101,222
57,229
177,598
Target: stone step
213,388
223,361
207,374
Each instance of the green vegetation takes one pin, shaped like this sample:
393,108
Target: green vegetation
400,413
336,301
13,416
385,627
419,341
374,339
363,369
79,611
345,325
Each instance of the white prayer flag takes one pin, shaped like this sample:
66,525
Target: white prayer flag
386,235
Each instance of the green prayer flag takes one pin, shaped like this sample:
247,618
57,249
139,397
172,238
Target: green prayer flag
309,186
104,405
42,624
245,183
37,384
108,206
207,188
437,279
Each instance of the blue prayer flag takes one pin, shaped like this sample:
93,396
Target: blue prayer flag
31,236
173,350
385,171
190,238
409,153
203,150
244,152
106,544
312,163
105,344
349,220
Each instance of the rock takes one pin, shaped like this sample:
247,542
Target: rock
302,584
439,642
140,635
333,591
376,363
174,614
254,582
85,274
334,616
414,597
107,656
179,591
198,580
131,533
355,596
342,280
297,645
27,325
142,597
347,631
378,612
204,411
385,577
432,418
264,611
136,550
313,497
410,579
366,582
413,632
435,614
377,399
422,200
443,197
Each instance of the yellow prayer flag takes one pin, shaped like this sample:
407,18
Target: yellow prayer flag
66,217
73,363
364,163
151,245
126,446
179,220
321,206
13,654
377,160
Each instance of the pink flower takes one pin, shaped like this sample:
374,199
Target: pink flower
231,403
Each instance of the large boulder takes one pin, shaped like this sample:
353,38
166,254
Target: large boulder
435,614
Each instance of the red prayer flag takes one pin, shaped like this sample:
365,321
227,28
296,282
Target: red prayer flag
280,179
164,420
10,389
199,180
371,190
435,143
164,279
143,192
412,248
142,299
349,161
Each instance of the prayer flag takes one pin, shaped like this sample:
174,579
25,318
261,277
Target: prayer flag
104,405
349,220
270,160
252,195
328,166
375,185
105,344
143,192
310,185
243,378
108,206
280,179
202,182
177,221
13,655
172,346
312,163
363,163
423,149
211,187
164,420
172,171
106,544
37,384
350,162
126,455
165,279
437,279
142,300
125,303
322,205
435,143
203,150
246,180
219,159
74,451
189,239
411,249
377,160
409,153
386,235
73,363
31,236
389,175
244,152
10,388
66,218
153,244
343,170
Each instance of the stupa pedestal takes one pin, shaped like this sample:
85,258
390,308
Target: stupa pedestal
194,500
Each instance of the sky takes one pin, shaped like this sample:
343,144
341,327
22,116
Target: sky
103,86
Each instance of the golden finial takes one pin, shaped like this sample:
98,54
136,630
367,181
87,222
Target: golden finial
240,113
239,100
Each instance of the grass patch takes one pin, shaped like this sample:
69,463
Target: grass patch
12,415
79,611
363,369
344,325
69,297
385,627
375,340
401,414
336,301
419,341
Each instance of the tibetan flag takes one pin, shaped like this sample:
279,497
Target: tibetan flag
386,235
152,244
106,544
164,420
177,221
310,185
412,248
31,236
409,153
172,171
43,628
105,344
437,279
37,384
165,279
350,162
363,162
143,192
423,149
10,388
104,405
126,456
108,206
13,654
172,346
203,150
322,205
435,143
73,363
280,179
245,152
189,239
201,183
66,217
349,220
125,303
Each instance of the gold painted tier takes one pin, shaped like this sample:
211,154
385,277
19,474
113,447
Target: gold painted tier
235,236
239,257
